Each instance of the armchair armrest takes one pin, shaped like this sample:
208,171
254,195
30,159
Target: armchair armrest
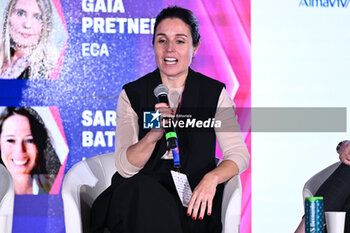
77,177
7,199
231,205
83,183
314,183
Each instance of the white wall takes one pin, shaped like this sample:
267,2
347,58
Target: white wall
300,58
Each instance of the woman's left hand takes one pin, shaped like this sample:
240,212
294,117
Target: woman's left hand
202,197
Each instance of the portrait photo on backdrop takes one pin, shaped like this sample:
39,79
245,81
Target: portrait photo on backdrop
32,152
28,47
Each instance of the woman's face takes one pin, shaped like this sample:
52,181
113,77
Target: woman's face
18,150
26,23
173,47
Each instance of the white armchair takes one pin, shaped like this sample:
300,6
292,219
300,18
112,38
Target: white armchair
89,178
314,183
7,198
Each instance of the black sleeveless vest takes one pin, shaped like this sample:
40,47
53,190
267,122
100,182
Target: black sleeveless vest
196,145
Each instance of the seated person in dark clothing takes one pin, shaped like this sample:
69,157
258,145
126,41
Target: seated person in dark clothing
336,189
142,196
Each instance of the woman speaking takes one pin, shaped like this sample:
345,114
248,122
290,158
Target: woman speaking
142,196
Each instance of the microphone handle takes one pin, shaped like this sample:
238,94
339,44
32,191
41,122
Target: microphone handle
171,137
163,98
170,134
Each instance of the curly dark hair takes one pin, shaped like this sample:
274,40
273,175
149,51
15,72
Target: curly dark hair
48,162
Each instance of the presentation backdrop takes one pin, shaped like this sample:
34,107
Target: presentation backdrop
300,62
96,47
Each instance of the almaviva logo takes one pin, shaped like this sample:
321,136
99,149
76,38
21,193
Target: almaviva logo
324,3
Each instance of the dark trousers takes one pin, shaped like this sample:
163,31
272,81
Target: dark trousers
336,192
149,203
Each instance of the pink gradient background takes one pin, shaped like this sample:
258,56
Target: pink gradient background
55,189
225,54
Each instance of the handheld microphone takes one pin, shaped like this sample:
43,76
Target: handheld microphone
161,92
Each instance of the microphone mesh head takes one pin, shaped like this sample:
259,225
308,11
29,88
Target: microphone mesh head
161,89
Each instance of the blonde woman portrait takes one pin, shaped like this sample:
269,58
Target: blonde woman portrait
26,50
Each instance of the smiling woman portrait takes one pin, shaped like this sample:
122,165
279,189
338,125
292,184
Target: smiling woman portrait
26,150
26,50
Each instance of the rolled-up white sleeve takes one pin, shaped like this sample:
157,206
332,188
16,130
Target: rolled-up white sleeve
229,135
126,135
